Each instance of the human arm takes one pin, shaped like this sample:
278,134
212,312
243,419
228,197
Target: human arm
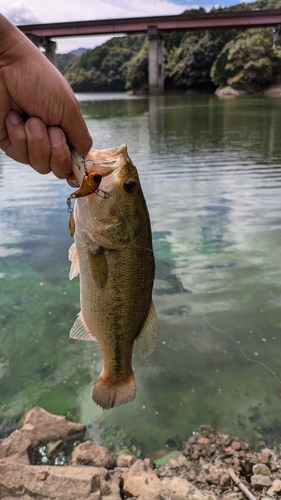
39,114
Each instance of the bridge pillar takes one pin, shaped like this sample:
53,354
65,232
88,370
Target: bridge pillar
277,35
35,39
48,44
50,50
155,61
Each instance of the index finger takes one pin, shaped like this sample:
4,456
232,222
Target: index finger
75,128
60,159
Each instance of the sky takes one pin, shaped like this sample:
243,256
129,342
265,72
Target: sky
48,11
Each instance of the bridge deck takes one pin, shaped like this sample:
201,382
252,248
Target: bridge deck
218,20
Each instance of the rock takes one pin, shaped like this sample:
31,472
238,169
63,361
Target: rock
52,448
225,481
264,456
235,445
259,481
125,460
272,91
182,489
57,483
42,427
275,488
148,495
90,453
229,91
261,469
139,479
18,448
110,487
177,461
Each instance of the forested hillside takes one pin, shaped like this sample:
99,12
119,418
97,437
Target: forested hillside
201,60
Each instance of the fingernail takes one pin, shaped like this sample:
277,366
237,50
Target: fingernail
56,137
14,118
36,128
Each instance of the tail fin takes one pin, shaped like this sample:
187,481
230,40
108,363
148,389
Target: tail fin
108,394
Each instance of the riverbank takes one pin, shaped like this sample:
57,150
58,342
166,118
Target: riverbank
236,91
210,466
227,91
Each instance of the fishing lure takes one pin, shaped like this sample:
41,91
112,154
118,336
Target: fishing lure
90,184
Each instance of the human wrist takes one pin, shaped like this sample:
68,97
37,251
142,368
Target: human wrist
11,40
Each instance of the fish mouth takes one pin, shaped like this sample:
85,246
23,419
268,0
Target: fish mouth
104,162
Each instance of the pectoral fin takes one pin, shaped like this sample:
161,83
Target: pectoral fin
73,257
146,339
79,331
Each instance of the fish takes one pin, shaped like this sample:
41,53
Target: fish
113,255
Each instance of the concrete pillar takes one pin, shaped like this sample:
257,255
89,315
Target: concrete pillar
50,50
277,36
48,44
155,61
37,40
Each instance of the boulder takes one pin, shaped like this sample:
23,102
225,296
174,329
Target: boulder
18,448
140,478
182,489
42,427
261,469
259,481
57,483
272,91
90,453
275,488
125,460
229,91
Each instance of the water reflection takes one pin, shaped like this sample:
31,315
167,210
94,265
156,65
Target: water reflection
210,171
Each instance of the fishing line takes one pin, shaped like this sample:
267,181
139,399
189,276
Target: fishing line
202,314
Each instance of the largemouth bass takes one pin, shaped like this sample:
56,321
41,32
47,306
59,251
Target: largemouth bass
113,254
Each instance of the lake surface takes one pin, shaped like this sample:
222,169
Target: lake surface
211,173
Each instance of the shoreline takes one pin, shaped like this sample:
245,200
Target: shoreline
211,466
273,90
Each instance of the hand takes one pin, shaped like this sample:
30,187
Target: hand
39,114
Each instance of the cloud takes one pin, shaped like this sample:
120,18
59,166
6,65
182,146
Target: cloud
19,13
37,11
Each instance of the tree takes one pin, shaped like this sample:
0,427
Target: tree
247,59
137,75
196,55
104,68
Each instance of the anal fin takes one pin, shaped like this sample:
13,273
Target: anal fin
146,339
79,331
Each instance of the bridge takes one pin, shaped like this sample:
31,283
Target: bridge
41,34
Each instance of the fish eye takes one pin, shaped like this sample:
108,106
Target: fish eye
129,185
97,178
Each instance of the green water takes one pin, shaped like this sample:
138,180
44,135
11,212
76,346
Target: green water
211,174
